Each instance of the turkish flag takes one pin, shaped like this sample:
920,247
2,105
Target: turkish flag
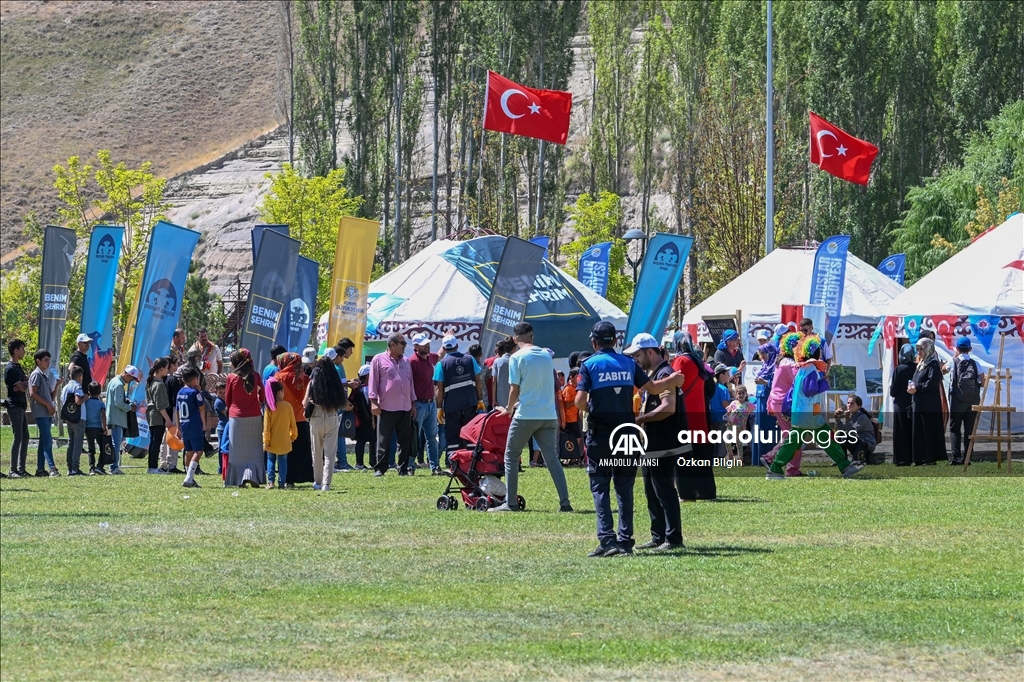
519,110
945,328
839,153
791,316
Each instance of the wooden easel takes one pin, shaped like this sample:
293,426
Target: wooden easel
996,410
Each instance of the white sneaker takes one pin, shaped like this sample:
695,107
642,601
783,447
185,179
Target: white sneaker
772,476
155,471
502,508
852,470
325,488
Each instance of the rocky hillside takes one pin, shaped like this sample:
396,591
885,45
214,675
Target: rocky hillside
176,83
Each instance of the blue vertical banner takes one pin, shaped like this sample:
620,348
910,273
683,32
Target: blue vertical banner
98,297
829,280
159,307
655,292
894,267
257,236
58,256
270,294
593,267
294,331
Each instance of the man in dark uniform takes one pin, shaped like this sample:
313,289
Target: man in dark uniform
81,358
662,418
605,391
457,392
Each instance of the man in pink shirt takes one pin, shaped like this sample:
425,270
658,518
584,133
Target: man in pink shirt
391,394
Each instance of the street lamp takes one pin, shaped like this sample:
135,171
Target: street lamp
635,235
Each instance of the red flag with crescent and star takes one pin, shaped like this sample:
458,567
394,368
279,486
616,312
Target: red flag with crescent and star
840,153
516,109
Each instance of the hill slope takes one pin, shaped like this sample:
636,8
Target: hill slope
178,83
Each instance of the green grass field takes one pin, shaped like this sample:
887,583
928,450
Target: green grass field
135,577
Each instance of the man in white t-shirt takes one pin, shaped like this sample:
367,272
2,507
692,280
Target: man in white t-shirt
211,362
531,401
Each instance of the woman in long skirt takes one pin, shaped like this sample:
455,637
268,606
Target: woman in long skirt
294,380
694,483
243,394
926,389
902,416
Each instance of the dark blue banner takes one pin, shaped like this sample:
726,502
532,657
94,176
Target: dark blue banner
894,267
294,331
829,280
513,283
561,316
257,236
543,242
656,288
270,294
98,298
58,254
159,306
593,267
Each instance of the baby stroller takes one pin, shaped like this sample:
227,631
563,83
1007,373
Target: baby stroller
477,473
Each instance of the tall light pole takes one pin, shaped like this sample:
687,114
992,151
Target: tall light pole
635,235
769,203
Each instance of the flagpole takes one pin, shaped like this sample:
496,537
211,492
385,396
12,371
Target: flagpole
769,207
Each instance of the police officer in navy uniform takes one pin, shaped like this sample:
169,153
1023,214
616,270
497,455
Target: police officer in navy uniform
605,391
457,392
662,417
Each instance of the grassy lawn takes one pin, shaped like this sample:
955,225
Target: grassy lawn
134,577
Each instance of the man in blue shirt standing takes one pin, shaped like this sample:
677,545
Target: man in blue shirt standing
605,392
531,400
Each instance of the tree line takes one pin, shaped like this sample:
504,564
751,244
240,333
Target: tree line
674,107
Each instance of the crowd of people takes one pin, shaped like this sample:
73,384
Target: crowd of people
289,422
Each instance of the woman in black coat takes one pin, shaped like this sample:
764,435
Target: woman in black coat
902,417
926,391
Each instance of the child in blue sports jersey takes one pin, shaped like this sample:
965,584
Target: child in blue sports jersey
189,417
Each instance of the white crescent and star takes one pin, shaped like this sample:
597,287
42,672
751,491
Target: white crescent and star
841,150
534,108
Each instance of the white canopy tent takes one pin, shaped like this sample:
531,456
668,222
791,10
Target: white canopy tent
429,294
783,277
984,282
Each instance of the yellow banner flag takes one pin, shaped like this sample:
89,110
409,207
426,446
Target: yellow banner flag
124,357
353,263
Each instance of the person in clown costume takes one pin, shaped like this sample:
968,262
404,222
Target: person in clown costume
808,414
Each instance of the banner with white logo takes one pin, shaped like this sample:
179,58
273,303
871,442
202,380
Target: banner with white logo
656,288
593,267
58,255
270,294
98,298
829,280
300,314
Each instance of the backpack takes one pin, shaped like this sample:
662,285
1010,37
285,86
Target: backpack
966,385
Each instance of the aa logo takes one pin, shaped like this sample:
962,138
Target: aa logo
106,249
628,440
162,299
667,256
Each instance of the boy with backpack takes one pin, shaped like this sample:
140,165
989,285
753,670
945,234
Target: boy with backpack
964,393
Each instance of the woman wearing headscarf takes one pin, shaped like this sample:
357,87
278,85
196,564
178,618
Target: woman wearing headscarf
294,380
925,389
694,483
729,352
782,381
243,395
766,423
902,416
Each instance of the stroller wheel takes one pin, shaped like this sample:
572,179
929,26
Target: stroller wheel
443,503
482,504
521,502
453,504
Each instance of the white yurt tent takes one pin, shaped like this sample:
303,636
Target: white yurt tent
783,277
978,293
443,287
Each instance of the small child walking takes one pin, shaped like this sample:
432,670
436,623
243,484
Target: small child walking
279,432
95,414
738,417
